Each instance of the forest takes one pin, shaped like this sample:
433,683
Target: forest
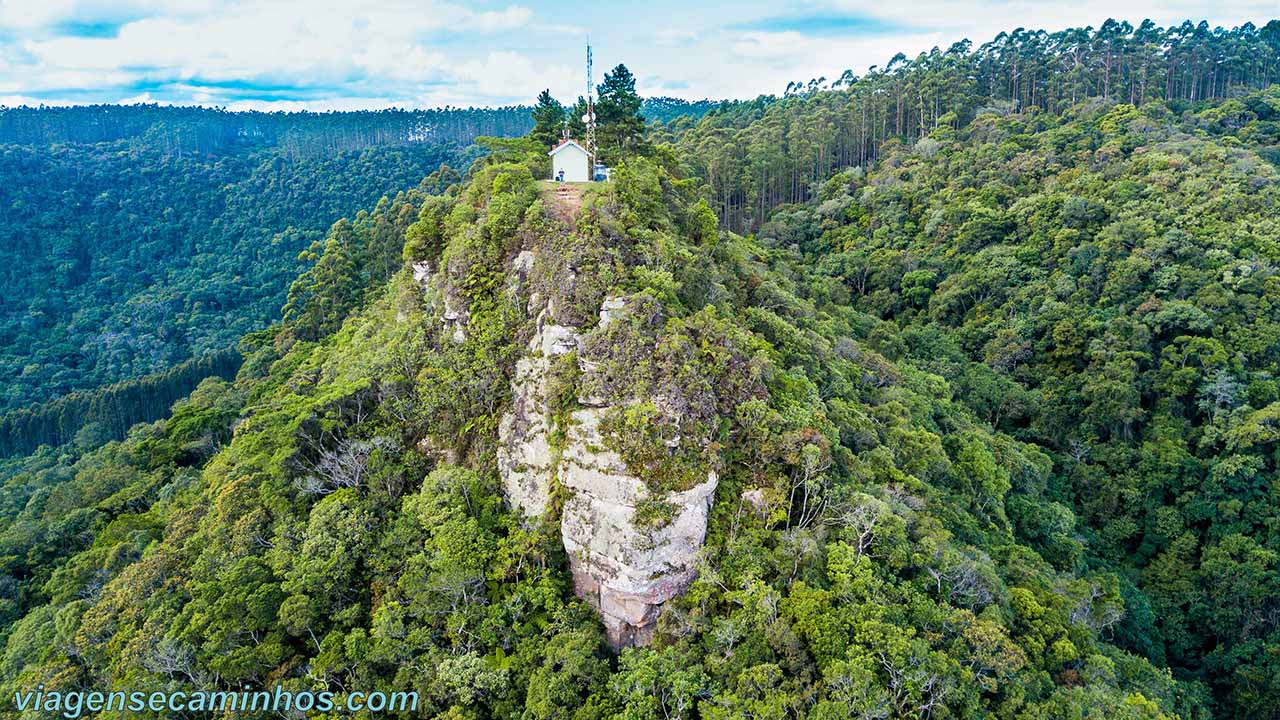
987,373
90,418
136,238
758,154
177,130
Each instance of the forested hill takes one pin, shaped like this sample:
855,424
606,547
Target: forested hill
759,154
296,134
135,238
338,518
1078,231
979,417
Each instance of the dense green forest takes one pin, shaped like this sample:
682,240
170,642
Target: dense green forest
296,134
761,153
178,130
133,238
992,397
669,109
91,417
307,526
125,256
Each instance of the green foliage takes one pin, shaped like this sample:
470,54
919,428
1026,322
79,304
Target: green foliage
620,126
759,156
993,420
548,120
90,419
1044,266
123,259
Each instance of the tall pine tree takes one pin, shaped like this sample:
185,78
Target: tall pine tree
577,128
619,124
548,120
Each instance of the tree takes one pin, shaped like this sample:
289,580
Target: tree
548,120
619,124
573,122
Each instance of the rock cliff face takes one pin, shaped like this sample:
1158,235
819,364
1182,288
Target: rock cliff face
524,451
623,568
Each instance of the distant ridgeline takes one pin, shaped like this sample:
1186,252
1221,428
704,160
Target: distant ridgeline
211,130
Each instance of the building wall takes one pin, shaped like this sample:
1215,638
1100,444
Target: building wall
574,163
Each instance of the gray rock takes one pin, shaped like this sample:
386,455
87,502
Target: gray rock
610,308
624,570
422,273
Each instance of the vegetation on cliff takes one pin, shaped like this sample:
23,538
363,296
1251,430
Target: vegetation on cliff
993,412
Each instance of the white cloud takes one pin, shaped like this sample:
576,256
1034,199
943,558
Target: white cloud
326,54
673,37
280,44
29,14
143,99
777,58
20,100
508,19
18,14
507,74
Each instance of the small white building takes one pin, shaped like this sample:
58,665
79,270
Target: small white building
571,159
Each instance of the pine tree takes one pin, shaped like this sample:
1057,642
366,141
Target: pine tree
577,128
619,124
548,120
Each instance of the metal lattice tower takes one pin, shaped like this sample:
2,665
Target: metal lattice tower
590,118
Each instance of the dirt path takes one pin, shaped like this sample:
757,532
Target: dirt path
563,200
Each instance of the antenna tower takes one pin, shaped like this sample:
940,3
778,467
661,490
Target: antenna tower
590,118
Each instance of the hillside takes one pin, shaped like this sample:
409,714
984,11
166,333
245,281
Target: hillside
135,238
946,392
857,557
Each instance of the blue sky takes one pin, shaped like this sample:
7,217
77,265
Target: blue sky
323,54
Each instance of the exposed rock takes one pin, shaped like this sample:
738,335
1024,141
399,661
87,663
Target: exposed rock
523,263
624,570
557,340
451,314
756,499
421,273
524,450
446,455
455,319
518,277
609,309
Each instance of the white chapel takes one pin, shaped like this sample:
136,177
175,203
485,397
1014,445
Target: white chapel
572,160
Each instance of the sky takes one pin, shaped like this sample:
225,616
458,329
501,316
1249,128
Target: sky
330,55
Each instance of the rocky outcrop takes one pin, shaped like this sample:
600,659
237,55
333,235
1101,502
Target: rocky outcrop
623,568
422,273
525,459
454,320
609,309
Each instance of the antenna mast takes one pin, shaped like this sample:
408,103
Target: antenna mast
590,118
